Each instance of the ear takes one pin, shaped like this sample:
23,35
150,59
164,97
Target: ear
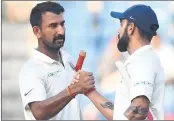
37,31
131,28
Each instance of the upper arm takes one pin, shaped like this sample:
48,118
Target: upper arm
32,87
142,78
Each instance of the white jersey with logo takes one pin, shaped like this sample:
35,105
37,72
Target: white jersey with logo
146,77
42,77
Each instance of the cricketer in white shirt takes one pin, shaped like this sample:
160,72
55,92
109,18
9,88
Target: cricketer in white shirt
42,77
142,75
141,88
145,77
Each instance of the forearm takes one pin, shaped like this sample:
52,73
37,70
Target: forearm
138,110
102,104
48,108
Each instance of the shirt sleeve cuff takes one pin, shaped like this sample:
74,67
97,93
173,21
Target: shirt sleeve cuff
29,100
135,93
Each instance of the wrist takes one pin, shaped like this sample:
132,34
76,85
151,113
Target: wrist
70,93
89,92
73,90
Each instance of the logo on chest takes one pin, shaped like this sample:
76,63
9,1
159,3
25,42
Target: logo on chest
72,66
53,73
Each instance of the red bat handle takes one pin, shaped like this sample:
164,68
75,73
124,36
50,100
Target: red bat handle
79,64
80,60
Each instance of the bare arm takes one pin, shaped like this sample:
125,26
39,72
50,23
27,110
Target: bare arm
103,105
139,108
48,108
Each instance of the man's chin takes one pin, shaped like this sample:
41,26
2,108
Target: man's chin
121,48
59,46
56,48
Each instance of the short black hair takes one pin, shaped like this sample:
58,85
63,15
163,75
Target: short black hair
145,35
41,8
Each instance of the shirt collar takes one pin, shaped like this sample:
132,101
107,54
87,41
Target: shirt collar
140,50
41,56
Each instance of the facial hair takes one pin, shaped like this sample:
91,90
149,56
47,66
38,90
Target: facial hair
123,42
59,37
55,46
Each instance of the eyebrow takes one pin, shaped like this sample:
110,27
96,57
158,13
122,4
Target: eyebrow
62,22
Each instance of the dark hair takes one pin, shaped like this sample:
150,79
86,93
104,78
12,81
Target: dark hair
145,35
41,8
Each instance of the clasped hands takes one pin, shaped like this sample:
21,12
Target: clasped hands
84,81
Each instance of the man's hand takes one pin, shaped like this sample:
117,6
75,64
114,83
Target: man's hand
84,81
76,78
102,104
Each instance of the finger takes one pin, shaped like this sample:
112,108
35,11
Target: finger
91,77
78,76
91,82
88,78
74,77
91,86
90,73
75,81
77,73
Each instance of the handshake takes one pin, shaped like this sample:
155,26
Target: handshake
83,82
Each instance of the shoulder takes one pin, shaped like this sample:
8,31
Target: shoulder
144,65
147,59
31,67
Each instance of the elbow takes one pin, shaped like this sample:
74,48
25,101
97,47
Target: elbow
38,112
110,118
39,115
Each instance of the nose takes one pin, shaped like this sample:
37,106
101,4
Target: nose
118,30
60,30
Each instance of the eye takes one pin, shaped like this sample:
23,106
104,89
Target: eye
62,23
53,25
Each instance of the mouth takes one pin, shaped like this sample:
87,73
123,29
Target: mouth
59,41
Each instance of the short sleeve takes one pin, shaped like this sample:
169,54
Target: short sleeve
142,76
31,87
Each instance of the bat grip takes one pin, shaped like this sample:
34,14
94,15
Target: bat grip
80,62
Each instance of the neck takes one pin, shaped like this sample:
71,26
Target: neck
134,45
55,55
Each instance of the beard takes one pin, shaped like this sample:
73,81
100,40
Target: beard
58,42
123,42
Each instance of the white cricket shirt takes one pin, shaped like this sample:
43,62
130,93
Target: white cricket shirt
146,77
42,77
